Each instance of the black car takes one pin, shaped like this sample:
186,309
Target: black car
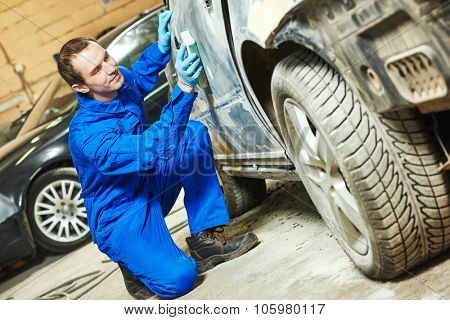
40,200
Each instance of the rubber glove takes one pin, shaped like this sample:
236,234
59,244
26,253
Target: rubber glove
163,32
188,68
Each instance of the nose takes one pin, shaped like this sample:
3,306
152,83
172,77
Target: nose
110,68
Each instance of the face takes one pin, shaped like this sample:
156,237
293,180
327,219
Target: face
99,71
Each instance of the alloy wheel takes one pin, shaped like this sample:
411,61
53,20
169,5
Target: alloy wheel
60,213
329,190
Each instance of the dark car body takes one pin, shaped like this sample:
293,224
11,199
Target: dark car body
45,146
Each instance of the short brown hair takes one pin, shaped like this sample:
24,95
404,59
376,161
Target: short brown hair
66,55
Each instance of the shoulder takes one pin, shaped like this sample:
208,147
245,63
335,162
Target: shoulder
76,124
83,119
126,73
129,79
86,125
77,129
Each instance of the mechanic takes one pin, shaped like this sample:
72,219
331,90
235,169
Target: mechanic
131,173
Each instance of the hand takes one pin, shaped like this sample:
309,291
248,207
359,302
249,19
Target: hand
188,68
163,32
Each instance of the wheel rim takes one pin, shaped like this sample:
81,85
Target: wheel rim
60,213
329,189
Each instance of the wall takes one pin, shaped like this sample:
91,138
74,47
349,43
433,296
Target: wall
31,31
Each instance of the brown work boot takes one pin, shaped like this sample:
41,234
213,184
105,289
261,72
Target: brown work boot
210,247
134,286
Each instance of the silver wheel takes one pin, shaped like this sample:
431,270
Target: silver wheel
328,188
59,211
373,177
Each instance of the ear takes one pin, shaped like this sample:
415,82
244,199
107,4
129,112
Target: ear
82,88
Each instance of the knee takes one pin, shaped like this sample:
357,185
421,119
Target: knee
184,280
179,282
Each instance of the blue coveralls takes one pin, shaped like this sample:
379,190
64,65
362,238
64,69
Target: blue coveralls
131,175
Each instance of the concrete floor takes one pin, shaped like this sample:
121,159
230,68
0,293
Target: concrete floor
297,258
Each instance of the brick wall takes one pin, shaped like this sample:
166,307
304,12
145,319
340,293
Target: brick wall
31,31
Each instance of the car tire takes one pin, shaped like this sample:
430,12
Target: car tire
241,193
374,178
56,212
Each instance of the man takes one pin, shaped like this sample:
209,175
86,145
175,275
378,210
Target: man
131,174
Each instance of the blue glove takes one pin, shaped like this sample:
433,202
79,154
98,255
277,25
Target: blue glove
163,32
188,68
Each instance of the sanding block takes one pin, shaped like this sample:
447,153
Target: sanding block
192,47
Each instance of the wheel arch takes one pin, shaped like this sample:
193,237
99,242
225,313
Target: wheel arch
259,63
23,197
284,31
57,163
73,237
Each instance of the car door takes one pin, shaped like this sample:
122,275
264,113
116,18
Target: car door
238,130
127,48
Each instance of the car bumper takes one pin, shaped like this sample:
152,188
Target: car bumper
15,241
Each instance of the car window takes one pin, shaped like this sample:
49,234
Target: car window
109,37
62,102
130,46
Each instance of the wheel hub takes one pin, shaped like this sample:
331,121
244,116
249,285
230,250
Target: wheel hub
60,213
327,185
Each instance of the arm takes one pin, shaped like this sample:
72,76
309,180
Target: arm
146,69
188,70
112,153
154,59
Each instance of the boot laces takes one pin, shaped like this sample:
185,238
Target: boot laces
217,233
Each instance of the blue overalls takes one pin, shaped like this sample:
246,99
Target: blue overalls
131,176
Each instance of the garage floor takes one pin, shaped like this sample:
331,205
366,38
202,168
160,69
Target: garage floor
297,258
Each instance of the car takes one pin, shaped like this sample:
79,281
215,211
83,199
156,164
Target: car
350,97
40,202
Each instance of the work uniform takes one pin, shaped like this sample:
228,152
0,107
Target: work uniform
131,174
